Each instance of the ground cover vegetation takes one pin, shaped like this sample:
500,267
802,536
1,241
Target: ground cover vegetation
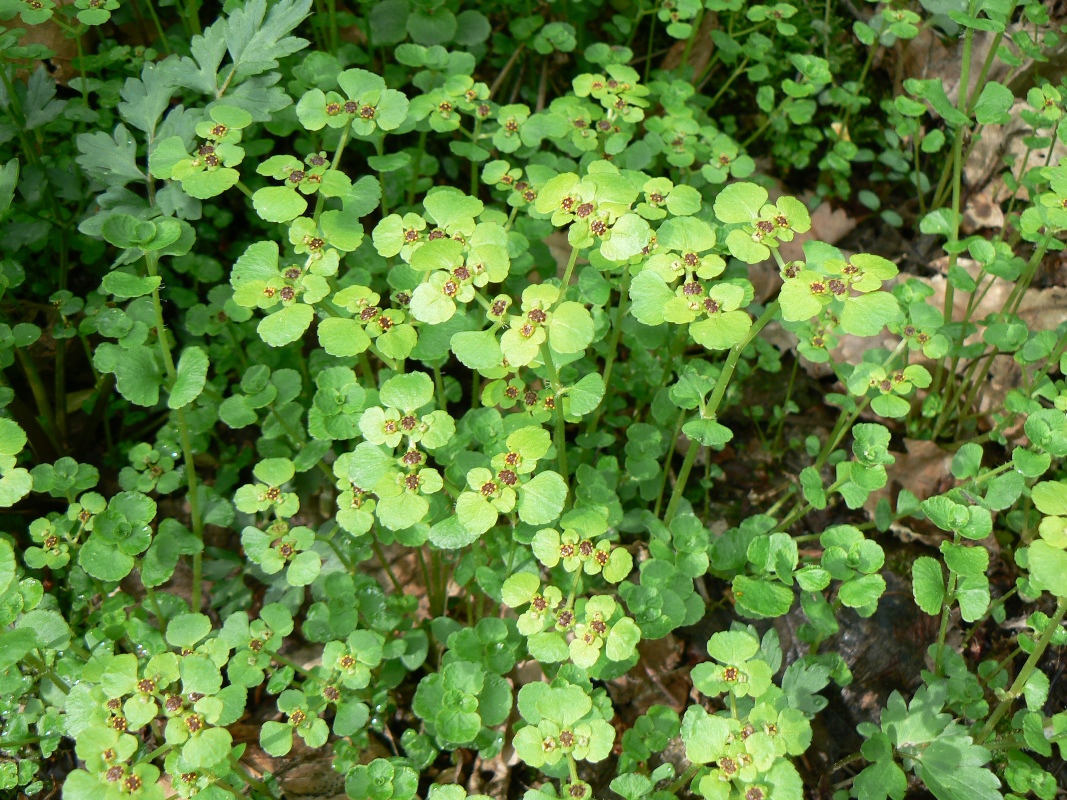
470,399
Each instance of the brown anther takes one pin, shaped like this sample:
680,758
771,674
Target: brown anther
604,125
599,627
297,717
488,489
724,160
211,161
408,422
589,638
287,293
108,755
578,790
333,109
451,288
483,110
390,426
286,550
909,330
836,286
585,548
538,603
347,661
656,198
367,112
730,674
205,150
369,313
584,210
273,494
507,180
412,458
711,306
219,130
445,108
886,385
498,308
146,686
747,731
598,227
384,323
536,315
470,95
132,783
315,243
50,541
512,392
690,260
529,195
296,176
255,645
601,557
596,86
411,482
292,273
923,338
549,744
771,729
565,619
530,397
461,273
172,703
114,704
84,516
507,477
188,777
269,291
692,288
118,723
818,287
316,160
567,203
331,693
550,403
512,458
620,104
764,226
351,107
728,765
527,330
781,221
411,235
566,738
566,550
115,774
511,126
194,723
754,793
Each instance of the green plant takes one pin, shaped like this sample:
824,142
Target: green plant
384,386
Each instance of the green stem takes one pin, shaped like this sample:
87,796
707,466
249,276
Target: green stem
290,663
244,775
684,778
152,261
946,611
613,347
39,666
1024,674
560,432
40,396
712,406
